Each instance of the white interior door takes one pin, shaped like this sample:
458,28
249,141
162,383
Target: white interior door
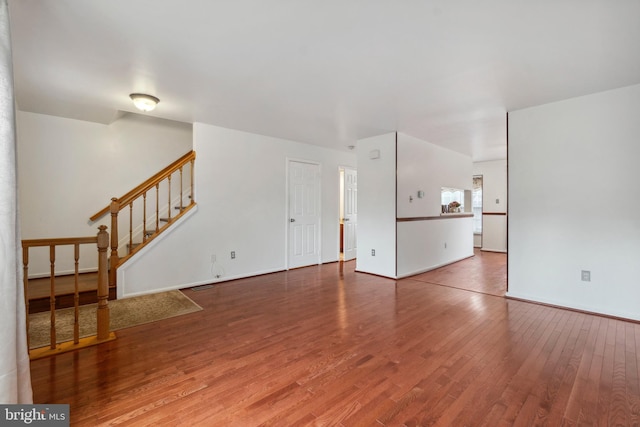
350,219
304,214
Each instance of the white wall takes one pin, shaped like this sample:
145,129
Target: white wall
494,188
241,194
428,167
69,169
573,204
377,205
428,244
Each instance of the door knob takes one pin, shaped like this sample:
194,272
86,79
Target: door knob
292,220
346,219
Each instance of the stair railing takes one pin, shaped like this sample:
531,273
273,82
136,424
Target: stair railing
101,240
158,185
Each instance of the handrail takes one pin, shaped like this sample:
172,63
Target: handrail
61,241
101,240
147,185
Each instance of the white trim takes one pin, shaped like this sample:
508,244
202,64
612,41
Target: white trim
376,274
413,273
64,273
581,307
502,251
200,283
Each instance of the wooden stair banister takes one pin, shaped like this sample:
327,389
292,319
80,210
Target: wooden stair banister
101,240
140,193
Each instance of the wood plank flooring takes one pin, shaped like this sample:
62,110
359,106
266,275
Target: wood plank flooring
485,272
327,346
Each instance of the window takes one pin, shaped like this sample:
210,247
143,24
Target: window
476,204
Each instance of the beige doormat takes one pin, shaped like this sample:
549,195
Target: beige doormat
124,313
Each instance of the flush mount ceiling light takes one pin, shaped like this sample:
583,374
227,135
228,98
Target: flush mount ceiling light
144,102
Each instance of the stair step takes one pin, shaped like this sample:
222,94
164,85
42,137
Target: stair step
178,208
132,247
150,232
40,304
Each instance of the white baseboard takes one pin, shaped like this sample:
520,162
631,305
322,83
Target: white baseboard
63,273
211,281
413,273
572,306
502,251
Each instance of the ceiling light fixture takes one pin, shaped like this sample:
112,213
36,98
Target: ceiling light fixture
144,102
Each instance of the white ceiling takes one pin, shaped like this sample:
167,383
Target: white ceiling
325,72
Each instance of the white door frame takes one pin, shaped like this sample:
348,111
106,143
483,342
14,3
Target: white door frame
289,160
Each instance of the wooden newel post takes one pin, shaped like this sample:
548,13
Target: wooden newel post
103,284
115,208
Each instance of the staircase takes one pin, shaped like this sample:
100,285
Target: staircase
149,210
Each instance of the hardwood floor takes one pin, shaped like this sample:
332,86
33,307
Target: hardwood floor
327,346
485,272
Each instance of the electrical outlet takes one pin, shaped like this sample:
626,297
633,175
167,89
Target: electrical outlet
213,258
373,252
233,254
586,275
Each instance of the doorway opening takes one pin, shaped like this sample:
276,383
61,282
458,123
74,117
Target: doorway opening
348,214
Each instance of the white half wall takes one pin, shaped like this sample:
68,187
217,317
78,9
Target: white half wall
241,194
70,169
377,205
573,203
494,200
426,245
